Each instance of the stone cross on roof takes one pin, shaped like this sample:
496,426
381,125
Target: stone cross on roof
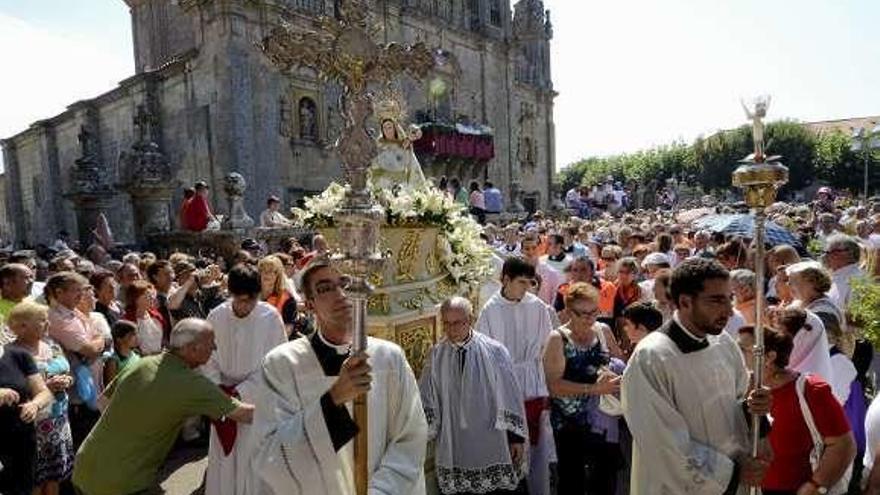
342,49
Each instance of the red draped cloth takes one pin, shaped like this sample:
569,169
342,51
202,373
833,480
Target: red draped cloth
227,429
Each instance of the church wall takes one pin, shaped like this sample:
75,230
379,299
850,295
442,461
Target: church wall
481,90
66,130
116,121
224,108
28,154
6,231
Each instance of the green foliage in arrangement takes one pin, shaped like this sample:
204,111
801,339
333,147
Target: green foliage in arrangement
864,308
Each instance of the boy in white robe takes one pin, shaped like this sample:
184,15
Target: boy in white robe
682,395
304,429
521,322
245,330
474,409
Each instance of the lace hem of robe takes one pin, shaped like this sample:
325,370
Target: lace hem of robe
478,480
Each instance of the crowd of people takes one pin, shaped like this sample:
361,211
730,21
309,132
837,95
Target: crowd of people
611,354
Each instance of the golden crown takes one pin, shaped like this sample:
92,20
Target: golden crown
390,105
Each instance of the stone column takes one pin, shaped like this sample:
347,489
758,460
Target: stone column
88,206
147,177
516,205
152,210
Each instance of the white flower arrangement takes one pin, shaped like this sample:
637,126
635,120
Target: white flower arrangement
467,257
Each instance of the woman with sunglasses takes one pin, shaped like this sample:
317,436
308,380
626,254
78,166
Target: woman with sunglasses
579,370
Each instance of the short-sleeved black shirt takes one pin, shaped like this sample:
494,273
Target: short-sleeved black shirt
15,366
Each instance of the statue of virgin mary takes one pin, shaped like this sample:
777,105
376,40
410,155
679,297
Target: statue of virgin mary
396,164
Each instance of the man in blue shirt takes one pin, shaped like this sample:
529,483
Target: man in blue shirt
493,199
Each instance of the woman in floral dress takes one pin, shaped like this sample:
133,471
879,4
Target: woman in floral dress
55,454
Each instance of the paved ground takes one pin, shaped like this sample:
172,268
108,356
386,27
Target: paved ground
184,471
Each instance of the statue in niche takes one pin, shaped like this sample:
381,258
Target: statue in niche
88,143
396,164
308,119
86,172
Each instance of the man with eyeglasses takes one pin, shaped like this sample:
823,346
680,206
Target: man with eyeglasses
521,322
304,427
474,408
245,330
683,393
841,256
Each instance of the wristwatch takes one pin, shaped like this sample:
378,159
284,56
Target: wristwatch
821,490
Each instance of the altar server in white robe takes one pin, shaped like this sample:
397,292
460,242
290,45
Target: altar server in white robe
682,395
304,428
474,408
245,330
521,322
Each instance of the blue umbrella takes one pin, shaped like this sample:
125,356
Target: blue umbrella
743,225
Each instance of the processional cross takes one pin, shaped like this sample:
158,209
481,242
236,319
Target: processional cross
342,49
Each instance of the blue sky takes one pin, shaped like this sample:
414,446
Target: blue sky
629,74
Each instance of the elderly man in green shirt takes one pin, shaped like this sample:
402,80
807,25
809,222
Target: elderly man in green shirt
149,402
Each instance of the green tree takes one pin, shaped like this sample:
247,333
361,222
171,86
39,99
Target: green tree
717,156
796,144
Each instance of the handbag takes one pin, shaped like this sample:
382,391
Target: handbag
85,386
842,485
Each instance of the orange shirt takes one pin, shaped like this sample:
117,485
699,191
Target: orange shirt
606,297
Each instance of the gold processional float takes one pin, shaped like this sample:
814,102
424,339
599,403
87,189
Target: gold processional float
405,247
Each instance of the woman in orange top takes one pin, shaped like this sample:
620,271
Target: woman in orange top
274,291
581,269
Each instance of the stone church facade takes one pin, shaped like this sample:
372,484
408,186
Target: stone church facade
205,102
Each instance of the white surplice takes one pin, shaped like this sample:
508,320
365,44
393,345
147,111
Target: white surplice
472,401
293,451
684,412
523,327
242,343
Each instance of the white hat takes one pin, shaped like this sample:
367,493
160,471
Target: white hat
656,259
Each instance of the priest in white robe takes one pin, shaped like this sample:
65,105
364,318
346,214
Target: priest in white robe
521,322
304,427
245,330
474,408
683,393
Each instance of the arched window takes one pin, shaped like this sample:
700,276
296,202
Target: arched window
495,12
308,119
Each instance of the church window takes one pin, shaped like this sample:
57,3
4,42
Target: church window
473,14
308,119
495,12
315,6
